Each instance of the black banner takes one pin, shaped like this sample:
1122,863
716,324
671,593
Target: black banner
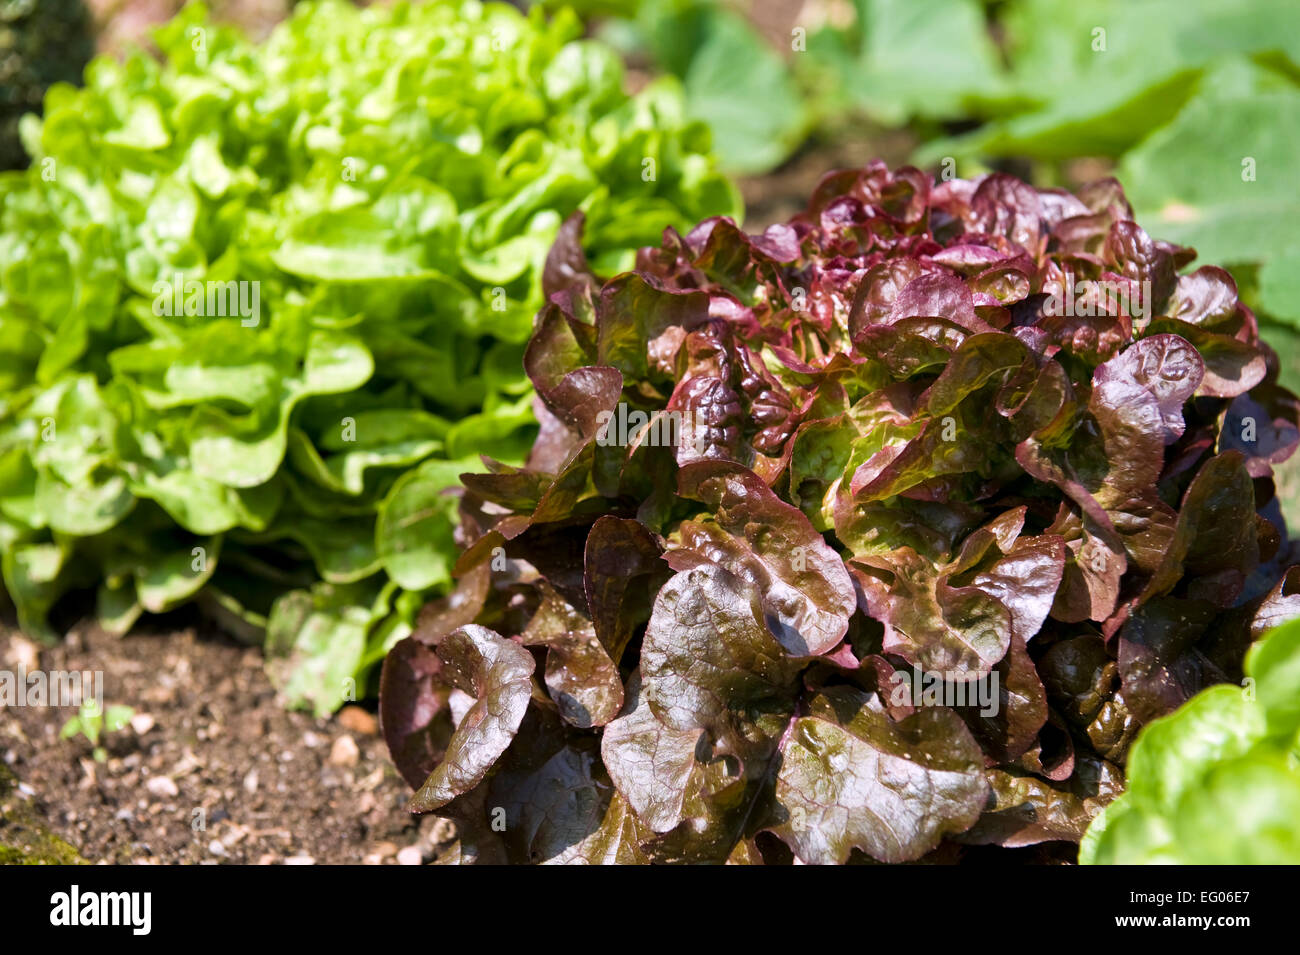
128,906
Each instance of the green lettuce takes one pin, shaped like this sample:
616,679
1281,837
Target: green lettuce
260,304
1218,781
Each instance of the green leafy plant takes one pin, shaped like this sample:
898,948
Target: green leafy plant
260,304
92,720
903,60
733,78
876,536
1218,781
814,69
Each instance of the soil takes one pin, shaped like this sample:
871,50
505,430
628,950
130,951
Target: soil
212,769
124,24
779,195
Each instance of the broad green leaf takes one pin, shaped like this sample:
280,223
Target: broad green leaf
1173,756
915,57
1106,73
170,579
314,643
34,577
1274,664
413,535
1221,177
1279,284
741,87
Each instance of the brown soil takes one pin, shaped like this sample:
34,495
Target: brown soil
124,24
783,193
212,770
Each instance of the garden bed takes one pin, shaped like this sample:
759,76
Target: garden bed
273,786
1007,478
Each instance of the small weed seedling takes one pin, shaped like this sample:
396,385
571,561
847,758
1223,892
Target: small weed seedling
91,720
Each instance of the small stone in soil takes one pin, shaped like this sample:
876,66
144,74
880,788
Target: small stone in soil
142,723
345,752
411,855
354,718
23,653
162,786
437,831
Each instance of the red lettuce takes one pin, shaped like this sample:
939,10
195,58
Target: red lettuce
876,536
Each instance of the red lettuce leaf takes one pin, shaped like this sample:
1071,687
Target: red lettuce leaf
497,673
